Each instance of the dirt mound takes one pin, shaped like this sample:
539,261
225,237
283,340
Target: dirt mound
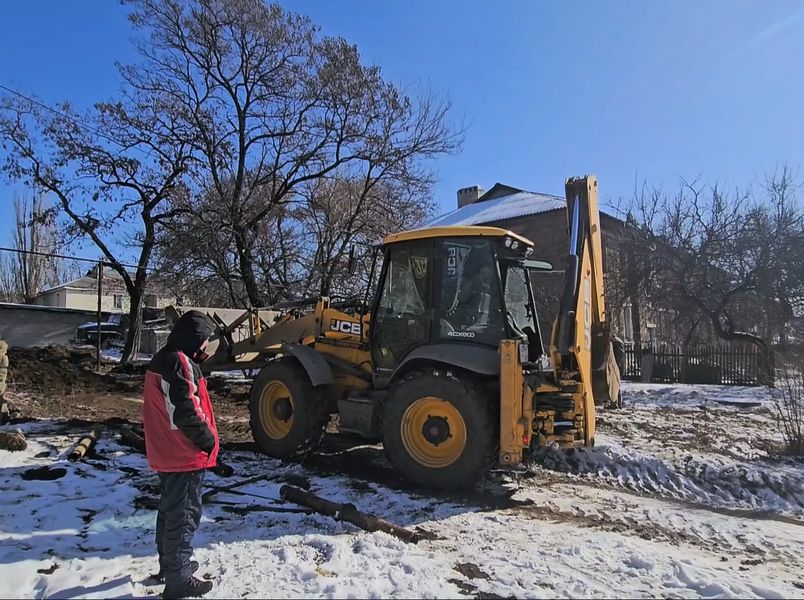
56,370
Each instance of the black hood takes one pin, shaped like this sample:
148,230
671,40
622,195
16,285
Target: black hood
190,331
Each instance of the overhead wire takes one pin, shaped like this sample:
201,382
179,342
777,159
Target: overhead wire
74,120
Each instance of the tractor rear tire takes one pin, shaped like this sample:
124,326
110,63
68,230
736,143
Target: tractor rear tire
287,414
440,430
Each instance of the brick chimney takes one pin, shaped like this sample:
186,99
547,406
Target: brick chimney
469,195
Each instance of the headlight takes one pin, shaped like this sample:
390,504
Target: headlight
508,242
514,245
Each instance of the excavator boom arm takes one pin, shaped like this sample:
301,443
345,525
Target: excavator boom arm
581,347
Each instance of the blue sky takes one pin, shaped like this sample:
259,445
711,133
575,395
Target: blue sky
628,90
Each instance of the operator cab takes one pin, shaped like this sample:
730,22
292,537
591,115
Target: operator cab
454,286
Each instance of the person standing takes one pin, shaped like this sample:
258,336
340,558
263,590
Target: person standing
181,442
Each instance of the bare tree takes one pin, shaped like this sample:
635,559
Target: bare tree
9,290
198,256
788,402
302,249
110,172
270,105
340,215
729,261
28,272
778,232
632,277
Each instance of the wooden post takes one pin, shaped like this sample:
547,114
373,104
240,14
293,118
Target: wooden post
100,298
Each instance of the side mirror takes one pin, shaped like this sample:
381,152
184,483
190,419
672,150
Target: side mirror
352,265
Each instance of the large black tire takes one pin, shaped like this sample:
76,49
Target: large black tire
301,432
415,395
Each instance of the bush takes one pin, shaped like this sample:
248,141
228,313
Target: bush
788,400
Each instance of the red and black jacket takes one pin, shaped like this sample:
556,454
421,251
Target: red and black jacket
180,430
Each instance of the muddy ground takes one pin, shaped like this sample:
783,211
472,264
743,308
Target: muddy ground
61,383
64,383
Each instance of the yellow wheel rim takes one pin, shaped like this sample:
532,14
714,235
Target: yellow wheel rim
276,410
433,432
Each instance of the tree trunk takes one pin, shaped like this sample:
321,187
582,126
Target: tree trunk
326,281
636,322
691,334
247,269
766,359
133,335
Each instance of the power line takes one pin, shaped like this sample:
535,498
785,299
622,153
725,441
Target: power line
67,257
94,261
74,120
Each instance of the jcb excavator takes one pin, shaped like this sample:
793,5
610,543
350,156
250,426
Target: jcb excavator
446,365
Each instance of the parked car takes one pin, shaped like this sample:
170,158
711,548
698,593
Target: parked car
112,331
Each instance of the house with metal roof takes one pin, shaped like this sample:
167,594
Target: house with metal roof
500,203
542,218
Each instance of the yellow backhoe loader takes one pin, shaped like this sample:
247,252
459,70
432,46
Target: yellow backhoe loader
445,365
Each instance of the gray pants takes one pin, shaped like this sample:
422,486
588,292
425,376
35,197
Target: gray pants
176,522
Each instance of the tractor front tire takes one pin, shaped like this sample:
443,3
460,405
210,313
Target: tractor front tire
440,430
287,414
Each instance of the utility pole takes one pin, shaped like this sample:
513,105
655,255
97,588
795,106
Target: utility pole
100,297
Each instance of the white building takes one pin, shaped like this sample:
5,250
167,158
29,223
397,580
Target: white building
82,293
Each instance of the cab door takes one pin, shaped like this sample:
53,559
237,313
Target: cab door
401,321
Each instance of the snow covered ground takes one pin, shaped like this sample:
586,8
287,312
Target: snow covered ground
680,498
116,354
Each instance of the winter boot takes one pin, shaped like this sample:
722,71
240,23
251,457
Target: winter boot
192,588
160,577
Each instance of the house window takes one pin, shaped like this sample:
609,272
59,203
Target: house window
118,301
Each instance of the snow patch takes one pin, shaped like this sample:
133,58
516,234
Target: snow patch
714,481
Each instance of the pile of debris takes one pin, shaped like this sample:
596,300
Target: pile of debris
56,370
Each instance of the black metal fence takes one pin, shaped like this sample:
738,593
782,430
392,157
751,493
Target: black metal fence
726,364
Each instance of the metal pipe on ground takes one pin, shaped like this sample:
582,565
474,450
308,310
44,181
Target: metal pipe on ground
83,446
348,513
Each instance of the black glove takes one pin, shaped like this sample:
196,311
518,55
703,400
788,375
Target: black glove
222,469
